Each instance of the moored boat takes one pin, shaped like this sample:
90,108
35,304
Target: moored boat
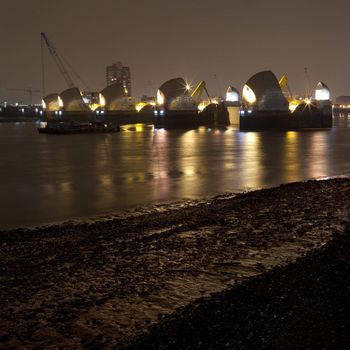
70,127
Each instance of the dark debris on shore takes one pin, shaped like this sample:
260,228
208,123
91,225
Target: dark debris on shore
304,305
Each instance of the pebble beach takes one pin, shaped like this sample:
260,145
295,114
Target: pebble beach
234,271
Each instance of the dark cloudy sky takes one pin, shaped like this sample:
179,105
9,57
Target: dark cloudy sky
223,42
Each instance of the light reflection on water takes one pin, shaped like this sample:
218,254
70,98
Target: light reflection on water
48,178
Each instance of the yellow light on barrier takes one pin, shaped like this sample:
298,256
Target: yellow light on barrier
94,106
102,100
140,105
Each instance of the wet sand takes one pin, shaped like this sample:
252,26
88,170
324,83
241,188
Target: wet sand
103,284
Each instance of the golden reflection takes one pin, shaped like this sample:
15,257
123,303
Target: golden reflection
291,135
106,180
134,127
318,154
160,163
250,174
190,171
252,138
203,130
189,146
291,168
139,127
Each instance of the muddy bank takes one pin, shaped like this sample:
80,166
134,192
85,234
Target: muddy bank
304,305
104,283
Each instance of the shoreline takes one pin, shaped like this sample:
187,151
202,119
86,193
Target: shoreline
152,209
105,283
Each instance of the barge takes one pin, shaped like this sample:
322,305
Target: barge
65,127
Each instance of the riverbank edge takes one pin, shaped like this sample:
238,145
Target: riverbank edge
152,209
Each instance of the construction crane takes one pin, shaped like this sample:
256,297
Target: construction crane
308,92
30,92
58,60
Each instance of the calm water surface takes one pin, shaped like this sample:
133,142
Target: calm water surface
46,178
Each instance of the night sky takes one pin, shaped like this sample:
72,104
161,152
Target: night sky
223,42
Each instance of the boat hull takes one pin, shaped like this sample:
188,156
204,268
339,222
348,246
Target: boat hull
90,128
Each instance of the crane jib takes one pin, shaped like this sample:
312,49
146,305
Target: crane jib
58,61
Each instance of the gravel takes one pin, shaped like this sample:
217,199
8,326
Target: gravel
105,284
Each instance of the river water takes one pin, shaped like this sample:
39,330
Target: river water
52,178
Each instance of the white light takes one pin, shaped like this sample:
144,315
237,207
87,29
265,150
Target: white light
60,102
248,94
322,92
232,96
102,112
249,111
242,112
160,98
162,112
322,95
155,112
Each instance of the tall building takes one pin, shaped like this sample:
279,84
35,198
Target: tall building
118,73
